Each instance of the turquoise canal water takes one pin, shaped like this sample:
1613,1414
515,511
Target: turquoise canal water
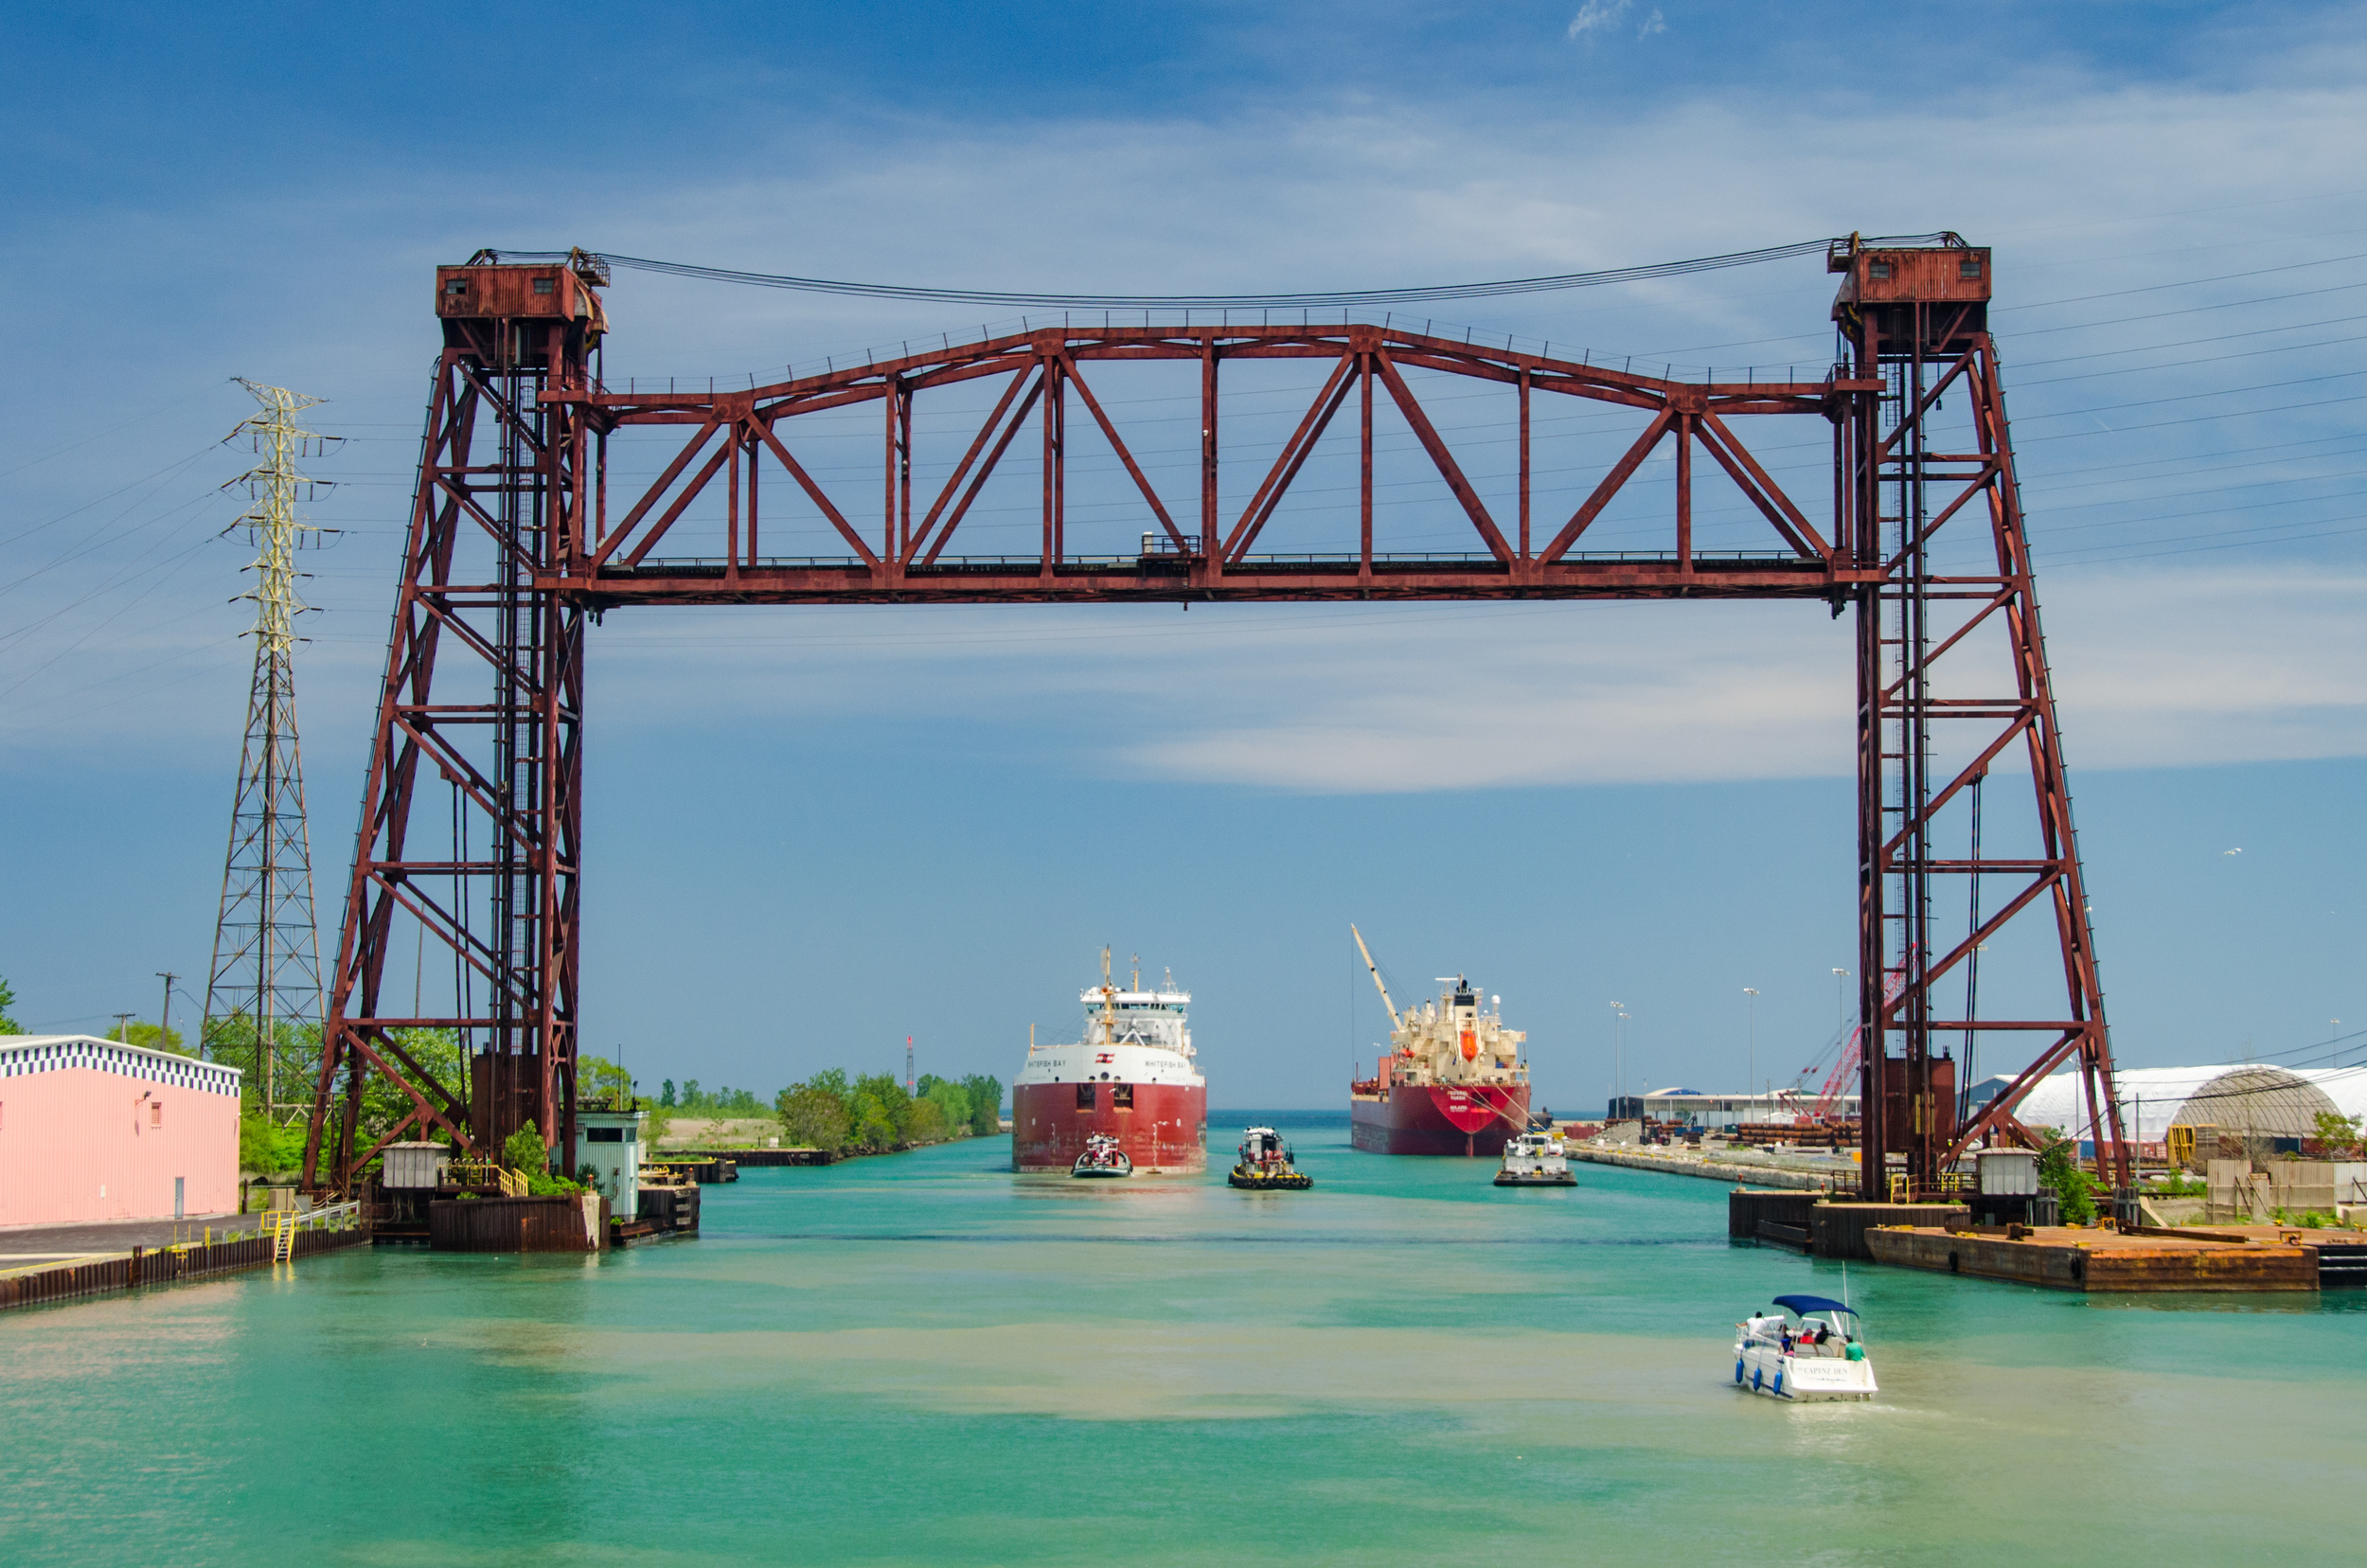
922,1360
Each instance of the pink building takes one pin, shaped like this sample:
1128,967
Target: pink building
93,1130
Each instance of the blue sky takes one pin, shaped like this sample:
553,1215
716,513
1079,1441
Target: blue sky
812,833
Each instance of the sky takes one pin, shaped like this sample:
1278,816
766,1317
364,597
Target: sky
813,833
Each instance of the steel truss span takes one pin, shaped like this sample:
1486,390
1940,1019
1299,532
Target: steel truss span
522,527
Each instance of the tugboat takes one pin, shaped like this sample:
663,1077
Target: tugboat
1821,1357
1266,1165
1102,1157
1535,1159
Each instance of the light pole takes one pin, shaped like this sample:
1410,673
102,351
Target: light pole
1618,1050
1840,1015
1754,1038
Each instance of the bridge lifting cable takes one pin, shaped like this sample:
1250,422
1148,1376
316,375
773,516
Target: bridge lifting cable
1346,298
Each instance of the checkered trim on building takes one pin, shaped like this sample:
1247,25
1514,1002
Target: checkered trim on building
22,1055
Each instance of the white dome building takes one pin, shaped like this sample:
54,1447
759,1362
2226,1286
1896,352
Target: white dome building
2263,1100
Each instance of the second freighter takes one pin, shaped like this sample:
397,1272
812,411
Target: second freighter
1452,1082
1132,1078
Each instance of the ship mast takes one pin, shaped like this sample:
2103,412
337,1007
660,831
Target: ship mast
1109,1001
1394,1024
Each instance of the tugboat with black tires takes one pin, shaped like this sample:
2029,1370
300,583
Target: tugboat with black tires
1104,1157
1266,1165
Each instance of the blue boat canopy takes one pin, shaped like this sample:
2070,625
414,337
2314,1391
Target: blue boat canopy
1807,1303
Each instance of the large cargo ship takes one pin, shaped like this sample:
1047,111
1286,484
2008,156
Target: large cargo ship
1453,1083
1132,1078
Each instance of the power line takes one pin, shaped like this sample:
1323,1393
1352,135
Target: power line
1214,301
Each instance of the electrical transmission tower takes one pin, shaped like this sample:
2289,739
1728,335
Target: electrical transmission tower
263,992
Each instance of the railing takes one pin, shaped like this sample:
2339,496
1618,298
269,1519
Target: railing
472,1173
1950,1186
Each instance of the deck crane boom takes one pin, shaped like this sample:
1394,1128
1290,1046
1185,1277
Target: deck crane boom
1394,1024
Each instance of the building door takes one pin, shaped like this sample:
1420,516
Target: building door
178,1182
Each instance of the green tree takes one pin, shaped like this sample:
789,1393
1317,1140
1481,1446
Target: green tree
952,1103
2059,1173
814,1114
598,1079
666,1095
266,1147
926,1122
882,1112
138,1033
986,1104
7,999
2338,1132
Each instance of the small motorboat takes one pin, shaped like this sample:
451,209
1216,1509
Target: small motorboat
1102,1157
1820,1355
1534,1159
1266,1165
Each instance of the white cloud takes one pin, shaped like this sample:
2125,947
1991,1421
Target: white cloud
2151,668
1652,23
2196,664
1598,16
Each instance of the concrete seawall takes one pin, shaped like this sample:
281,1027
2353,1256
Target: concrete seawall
1716,1170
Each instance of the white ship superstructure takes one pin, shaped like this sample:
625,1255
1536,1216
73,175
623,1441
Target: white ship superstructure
1131,1076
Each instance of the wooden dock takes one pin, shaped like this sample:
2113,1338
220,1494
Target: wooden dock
2150,1259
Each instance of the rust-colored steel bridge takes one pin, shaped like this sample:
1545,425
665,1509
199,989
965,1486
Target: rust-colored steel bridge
518,534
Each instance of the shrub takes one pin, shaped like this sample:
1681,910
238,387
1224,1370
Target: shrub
2059,1173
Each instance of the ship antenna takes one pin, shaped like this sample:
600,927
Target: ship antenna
1394,1024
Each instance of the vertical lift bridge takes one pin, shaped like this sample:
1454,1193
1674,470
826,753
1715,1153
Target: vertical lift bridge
520,534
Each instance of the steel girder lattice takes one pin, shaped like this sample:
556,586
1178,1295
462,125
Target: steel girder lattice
483,695
264,987
694,529
1952,682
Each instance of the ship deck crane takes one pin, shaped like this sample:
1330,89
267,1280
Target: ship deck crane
1394,1024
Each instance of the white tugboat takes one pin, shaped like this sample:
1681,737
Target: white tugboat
1535,1159
1103,1156
1821,1355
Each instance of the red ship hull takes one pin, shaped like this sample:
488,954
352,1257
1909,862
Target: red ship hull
1411,1118
1164,1131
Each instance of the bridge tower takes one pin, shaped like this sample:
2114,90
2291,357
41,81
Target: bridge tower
501,497
1952,682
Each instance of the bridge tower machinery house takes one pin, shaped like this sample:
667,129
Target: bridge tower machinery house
521,529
